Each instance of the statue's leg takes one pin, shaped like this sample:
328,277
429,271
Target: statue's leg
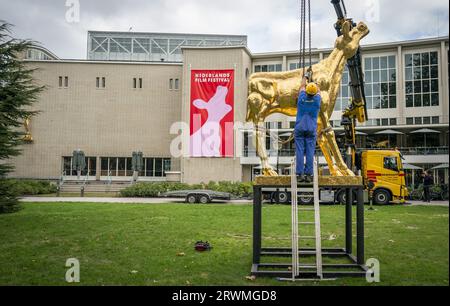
260,138
342,169
257,108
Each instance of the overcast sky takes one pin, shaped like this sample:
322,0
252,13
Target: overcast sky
271,25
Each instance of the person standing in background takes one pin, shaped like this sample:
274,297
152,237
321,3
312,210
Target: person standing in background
427,183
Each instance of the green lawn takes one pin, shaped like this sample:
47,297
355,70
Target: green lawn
120,244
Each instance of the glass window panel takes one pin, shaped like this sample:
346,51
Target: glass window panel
150,167
258,68
369,101
278,67
385,122
435,120
426,99
368,89
408,60
92,166
384,75
376,76
434,99
264,68
392,89
377,103
434,72
417,73
392,102
426,120
385,102
391,61
384,88
425,72
409,101
344,91
368,76
409,87
113,166
410,121
393,121
418,100
425,59
426,86
376,63
271,68
392,75
104,166
158,167
67,165
417,87
434,85
383,62
345,79
418,120
376,89
122,167
368,63
416,59
129,167
433,58
408,74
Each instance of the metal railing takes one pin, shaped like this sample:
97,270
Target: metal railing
404,151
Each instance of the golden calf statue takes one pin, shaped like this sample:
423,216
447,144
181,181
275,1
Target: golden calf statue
277,92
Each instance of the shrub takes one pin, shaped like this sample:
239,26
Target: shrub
152,190
30,187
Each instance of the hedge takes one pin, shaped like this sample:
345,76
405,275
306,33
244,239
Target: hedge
31,187
152,190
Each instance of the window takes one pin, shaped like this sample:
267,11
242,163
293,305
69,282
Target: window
69,169
393,121
293,66
157,167
269,68
390,163
418,120
409,121
422,79
380,77
426,120
385,122
116,166
435,120
137,83
100,82
171,84
177,84
63,82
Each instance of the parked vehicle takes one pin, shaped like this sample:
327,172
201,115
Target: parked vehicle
382,167
198,196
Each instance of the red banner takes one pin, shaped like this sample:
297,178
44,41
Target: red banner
212,113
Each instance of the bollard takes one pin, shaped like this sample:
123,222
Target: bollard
82,191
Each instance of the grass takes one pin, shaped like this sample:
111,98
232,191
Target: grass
121,244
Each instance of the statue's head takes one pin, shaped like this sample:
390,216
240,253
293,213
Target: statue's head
351,37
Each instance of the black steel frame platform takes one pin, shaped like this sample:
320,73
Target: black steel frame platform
356,263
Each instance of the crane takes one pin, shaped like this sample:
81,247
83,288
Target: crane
357,110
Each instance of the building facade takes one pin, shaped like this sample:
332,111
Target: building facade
134,86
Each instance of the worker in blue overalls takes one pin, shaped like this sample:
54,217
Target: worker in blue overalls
308,107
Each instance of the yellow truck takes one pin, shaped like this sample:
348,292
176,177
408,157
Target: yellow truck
384,169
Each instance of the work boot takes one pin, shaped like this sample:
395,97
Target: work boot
309,179
300,179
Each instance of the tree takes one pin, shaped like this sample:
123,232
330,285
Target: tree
18,92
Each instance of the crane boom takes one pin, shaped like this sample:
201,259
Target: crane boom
357,110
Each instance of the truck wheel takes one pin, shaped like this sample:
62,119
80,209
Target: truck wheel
282,197
191,199
342,198
381,197
306,200
204,199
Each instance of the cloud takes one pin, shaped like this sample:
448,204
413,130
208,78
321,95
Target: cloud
270,25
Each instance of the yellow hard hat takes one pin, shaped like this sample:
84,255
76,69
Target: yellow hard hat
312,89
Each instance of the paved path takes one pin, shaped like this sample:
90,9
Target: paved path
115,200
433,203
